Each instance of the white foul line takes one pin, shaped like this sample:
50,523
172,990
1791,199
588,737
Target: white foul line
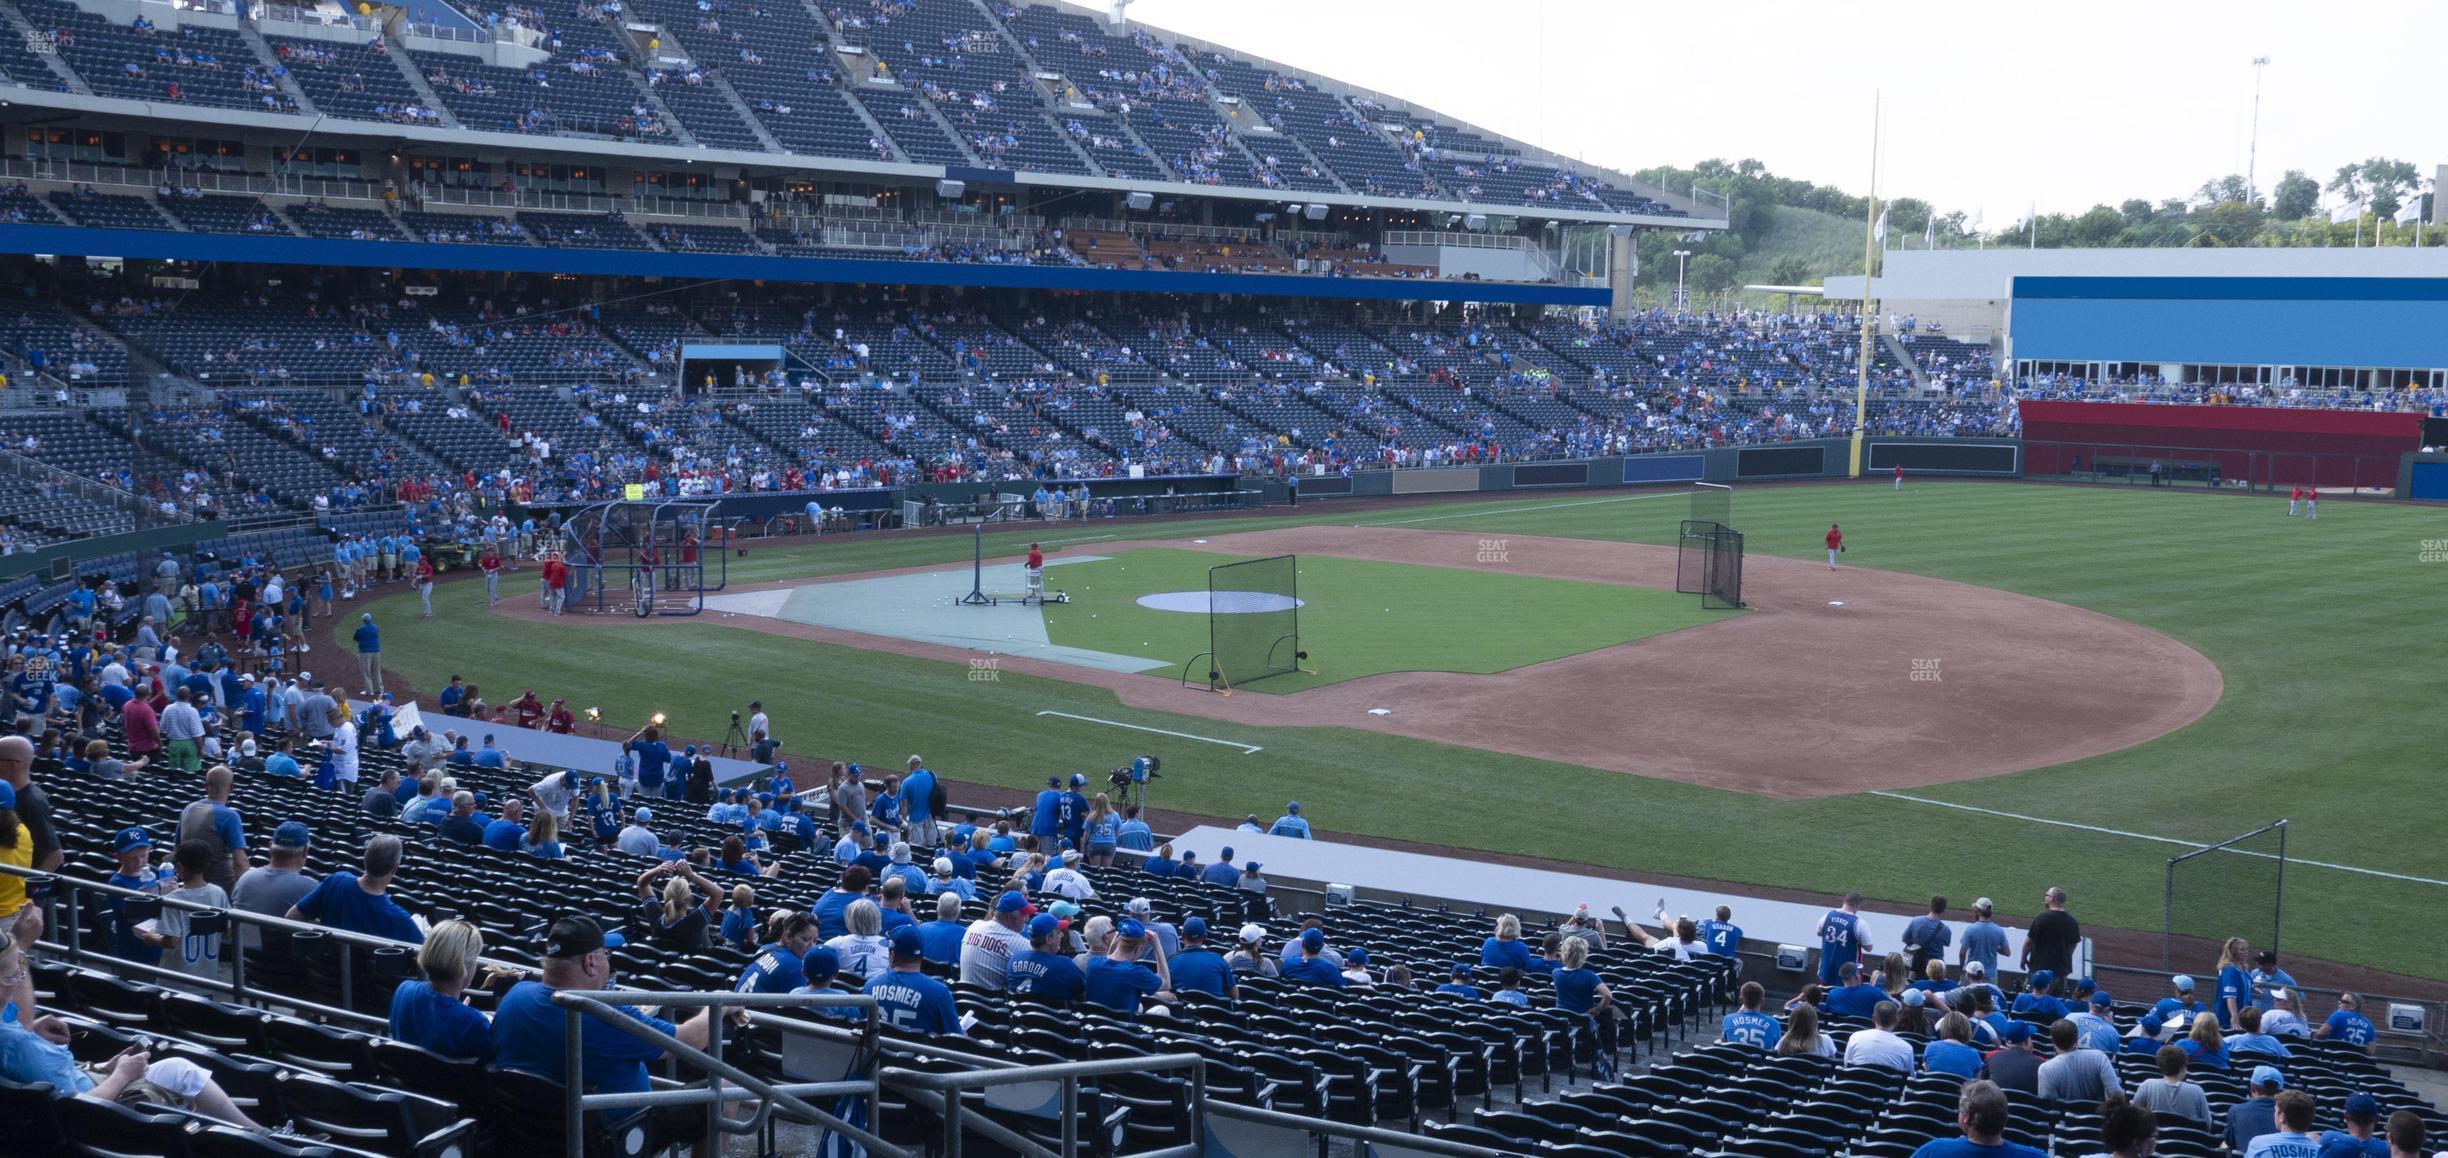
1521,510
1246,749
2344,868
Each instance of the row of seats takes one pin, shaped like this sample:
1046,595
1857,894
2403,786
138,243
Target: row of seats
941,82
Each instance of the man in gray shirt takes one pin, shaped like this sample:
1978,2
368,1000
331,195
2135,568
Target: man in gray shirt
637,839
271,889
2076,1074
315,713
2170,1093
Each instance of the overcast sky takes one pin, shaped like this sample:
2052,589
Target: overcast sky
1990,107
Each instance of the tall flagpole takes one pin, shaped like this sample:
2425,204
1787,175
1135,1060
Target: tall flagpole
1869,308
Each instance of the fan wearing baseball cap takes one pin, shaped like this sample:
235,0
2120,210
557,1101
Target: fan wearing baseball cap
1043,972
2294,1137
2361,1138
993,940
1118,981
906,998
1199,969
134,847
2258,1114
530,1032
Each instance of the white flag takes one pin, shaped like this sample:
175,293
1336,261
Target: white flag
2351,210
2411,211
1878,232
1929,232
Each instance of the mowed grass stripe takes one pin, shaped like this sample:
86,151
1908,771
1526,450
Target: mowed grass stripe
2324,631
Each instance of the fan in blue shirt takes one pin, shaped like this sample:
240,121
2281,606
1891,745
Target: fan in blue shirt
1043,971
1311,967
1045,820
430,1014
1721,935
343,900
909,1000
1197,968
1840,939
2348,1024
777,968
1222,872
1748,1026
1118,981
1460,986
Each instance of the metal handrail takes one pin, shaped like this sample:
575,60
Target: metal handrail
594,1003
944,1089
25,466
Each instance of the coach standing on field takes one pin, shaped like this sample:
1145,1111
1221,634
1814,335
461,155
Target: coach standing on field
369,655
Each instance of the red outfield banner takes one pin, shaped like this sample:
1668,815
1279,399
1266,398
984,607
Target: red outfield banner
2260,444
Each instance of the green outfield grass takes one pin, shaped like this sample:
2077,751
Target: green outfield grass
1371,617
2327,633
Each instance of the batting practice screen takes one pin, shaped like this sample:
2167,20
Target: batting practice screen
2235,888
1253,619
1708,563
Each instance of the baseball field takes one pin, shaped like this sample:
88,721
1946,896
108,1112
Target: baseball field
2104,674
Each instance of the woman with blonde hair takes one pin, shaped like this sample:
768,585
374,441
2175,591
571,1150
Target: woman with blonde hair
2204,1047
1894,974
2234,984
678,911
1506,947
1102,833
1579,993
1802,1035
432,1013
544,836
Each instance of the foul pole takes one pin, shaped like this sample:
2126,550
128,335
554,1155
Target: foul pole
1869,311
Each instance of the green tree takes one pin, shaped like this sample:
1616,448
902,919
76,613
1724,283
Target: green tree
2231,187
2297,196
2097,228
1711,273
1789,270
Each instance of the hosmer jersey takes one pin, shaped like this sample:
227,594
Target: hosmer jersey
1757,1030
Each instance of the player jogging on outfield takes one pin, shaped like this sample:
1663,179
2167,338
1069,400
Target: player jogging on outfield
1899,476
1036,572
2295,501
1835,542
2312,501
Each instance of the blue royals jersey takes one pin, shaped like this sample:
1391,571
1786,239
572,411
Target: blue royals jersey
1722,939
1757,1030
1839,941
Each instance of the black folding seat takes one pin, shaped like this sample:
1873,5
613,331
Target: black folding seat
109,1130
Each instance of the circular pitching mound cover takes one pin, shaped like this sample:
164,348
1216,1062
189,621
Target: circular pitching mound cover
1224,602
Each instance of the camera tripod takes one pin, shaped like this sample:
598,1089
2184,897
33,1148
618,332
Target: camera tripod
735,739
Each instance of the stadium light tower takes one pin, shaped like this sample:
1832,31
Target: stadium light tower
2252,152
1682,303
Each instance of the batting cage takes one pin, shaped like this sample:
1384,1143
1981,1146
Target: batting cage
2235,888
643,557
1253,621
1709,563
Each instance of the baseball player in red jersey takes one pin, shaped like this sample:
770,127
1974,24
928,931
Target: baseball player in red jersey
1835,542
2294,502
2312,501
1899,478
1036,571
